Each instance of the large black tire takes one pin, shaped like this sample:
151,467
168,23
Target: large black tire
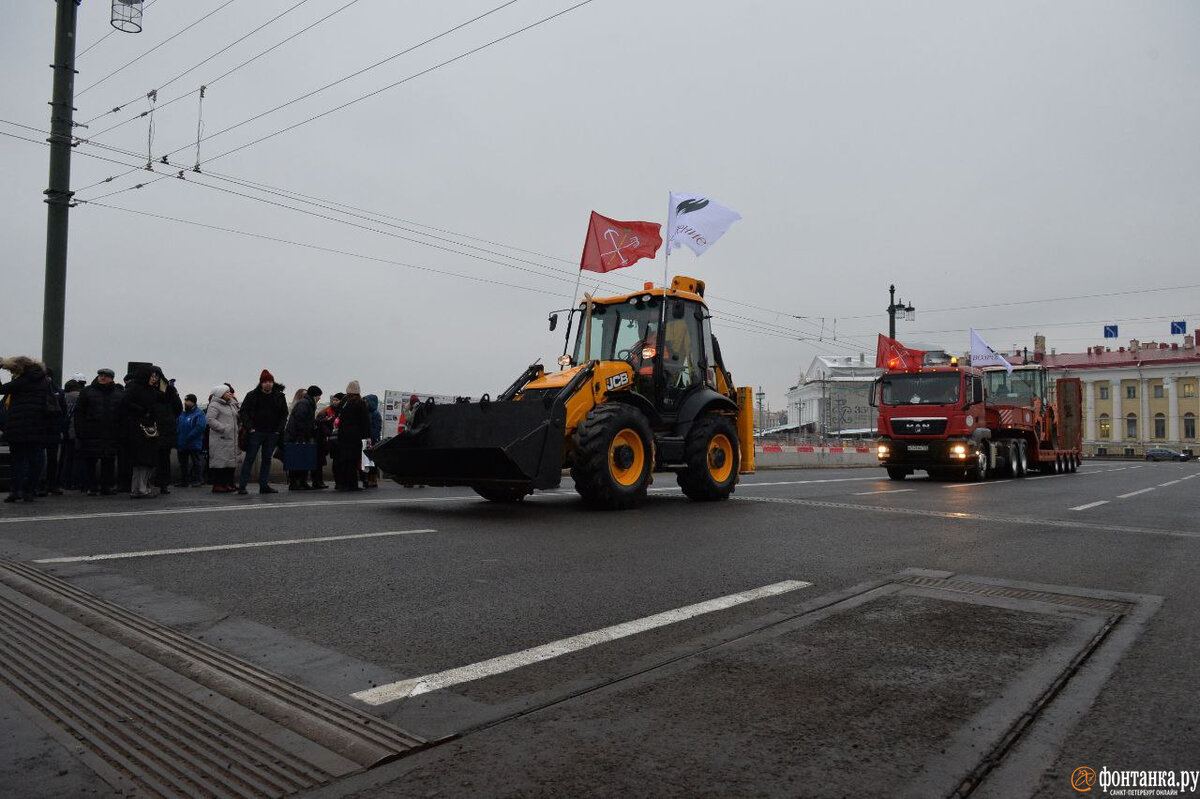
977,471
502,494
1022,459
614,455
897,472
712,457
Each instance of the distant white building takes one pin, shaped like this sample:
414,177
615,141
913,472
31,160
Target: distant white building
833,397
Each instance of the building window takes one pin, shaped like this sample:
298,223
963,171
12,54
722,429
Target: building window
1189,425
1158,391
1189,389
1129,452
1130,392
1105,426
1160,425
1131,426
1103,392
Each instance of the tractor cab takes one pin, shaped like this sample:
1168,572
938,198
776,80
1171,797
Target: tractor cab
670,349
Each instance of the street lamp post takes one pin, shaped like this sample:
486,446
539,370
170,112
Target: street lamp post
910,313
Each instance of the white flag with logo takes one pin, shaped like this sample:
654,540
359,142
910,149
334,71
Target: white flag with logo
697,221
983,355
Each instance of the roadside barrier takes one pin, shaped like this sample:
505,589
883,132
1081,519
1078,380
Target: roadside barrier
770,456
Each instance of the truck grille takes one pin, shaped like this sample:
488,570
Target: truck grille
918,427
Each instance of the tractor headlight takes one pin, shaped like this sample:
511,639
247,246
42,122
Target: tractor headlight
882,451
564,361
647,353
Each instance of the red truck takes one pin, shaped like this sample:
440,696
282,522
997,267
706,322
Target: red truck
956,421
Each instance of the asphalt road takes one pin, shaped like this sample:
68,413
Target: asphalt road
416,583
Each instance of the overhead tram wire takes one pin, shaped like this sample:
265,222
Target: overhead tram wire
223,75
331,250
376,92
330,205
293,100
174,36
193,68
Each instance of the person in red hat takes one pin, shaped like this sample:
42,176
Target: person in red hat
263,416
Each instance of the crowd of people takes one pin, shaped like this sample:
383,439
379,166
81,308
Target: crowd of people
106,438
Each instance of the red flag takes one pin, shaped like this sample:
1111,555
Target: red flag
891,354
611,244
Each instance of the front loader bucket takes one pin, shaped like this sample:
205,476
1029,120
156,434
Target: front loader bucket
514,443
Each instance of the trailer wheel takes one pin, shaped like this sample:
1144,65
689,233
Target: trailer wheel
1072,463
502,494
1010,457
712,457
897,472
613,457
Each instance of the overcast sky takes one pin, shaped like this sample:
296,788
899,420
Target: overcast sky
975,154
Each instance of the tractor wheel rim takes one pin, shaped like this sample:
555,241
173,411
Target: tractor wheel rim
720,458
627,457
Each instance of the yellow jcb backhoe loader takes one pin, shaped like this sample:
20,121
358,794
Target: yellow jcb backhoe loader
643,390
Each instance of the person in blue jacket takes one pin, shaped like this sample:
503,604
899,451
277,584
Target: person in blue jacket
189,441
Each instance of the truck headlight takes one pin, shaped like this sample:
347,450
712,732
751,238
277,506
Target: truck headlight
882,451
958,450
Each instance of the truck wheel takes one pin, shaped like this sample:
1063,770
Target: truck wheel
1022,460
1010,456
1072,463
978,471
613,457
712,457
502,494
897,472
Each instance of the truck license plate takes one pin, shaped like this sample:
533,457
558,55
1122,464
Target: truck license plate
918,447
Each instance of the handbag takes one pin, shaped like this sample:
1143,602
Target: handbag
149,430
300,456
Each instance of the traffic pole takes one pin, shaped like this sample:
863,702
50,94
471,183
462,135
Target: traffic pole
58,195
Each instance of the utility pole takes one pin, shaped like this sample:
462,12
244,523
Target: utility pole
910,312
58,195
760,396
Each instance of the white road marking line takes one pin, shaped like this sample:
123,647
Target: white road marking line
382,694
145,553
742,484
66,517
1133,493
975,485
893,491
1171,483
1091,505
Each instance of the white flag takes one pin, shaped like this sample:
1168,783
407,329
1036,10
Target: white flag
697,221
984,355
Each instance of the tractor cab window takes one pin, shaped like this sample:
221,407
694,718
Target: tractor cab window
683,353
624,331
1019,388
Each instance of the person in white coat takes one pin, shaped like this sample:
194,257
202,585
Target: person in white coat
223,453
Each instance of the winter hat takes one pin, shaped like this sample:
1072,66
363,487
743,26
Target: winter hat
219,390
80,376
352,387
314,391
106,373
265,376
414,399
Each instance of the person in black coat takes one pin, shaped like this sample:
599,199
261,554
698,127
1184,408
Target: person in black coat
263,416
302,429
98,429
167,407
25,423
139,429
354,425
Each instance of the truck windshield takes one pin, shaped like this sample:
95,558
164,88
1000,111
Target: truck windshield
620,331
920,389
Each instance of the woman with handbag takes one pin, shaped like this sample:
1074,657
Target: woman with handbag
140,430
223,453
